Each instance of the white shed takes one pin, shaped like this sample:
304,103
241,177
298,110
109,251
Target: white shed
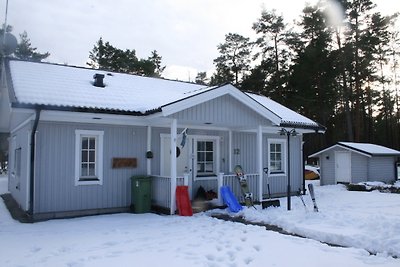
347,162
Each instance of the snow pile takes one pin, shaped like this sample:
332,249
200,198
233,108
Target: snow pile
154,240
368,220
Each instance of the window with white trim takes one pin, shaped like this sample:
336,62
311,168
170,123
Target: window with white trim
88,157
206,151
276,156
205,158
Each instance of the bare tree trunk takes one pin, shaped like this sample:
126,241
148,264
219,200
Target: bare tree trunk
346,93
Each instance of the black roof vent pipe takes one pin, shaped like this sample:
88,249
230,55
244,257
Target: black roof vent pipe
98,80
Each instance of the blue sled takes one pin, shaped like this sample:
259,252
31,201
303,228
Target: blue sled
230,199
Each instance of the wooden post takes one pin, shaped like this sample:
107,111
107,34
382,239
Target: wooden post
173,165
260,163
148,161
220,184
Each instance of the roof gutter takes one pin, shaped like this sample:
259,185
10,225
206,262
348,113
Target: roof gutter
32,161
318,128
83,109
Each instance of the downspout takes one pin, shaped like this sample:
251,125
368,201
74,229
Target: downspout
303,170
32,161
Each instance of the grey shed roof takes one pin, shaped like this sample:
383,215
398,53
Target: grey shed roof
366,149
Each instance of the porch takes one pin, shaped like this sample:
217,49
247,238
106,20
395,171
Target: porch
162,186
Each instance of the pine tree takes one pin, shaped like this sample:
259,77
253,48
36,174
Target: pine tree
105,56
25,51
156,59
201,78
234,59
274,55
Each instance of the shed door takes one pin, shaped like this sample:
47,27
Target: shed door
343,167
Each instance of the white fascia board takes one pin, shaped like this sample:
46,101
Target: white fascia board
99,118
227,89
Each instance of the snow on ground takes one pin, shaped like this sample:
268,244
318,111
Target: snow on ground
368,220
154,240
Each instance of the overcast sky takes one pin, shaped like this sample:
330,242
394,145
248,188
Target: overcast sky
184,32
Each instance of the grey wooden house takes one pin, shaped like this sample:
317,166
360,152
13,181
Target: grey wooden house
77,135
347,162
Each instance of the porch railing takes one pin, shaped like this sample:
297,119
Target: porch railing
161,188
231,180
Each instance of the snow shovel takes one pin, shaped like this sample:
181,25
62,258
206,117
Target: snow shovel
269,202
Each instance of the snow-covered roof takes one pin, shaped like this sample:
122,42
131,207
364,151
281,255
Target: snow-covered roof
288,116
61,86
65,86
365,149
371,149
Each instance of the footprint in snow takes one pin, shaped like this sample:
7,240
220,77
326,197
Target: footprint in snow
248,260
257,247
210,257
36,249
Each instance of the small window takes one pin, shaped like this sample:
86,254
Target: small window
206,158
276,156
89,157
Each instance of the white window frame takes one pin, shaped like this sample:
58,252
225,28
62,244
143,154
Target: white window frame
283,144
216,156
98,135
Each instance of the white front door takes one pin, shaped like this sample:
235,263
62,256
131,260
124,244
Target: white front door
183,162
343,167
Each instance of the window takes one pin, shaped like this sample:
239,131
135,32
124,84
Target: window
276,156
88,157
205,158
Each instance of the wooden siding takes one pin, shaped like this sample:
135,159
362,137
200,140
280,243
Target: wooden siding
359,168
19,187
382,169
223,110
245,146
55,189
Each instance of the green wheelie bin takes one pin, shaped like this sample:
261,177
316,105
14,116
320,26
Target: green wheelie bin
141,194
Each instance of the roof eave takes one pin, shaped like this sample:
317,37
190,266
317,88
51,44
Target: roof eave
317,128
83,109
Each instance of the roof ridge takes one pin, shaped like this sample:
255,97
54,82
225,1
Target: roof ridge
104,70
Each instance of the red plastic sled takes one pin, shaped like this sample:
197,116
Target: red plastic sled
183,201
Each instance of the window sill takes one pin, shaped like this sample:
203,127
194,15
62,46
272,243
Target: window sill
277,174
93,181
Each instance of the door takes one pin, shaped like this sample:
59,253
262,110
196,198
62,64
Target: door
183,163
343,167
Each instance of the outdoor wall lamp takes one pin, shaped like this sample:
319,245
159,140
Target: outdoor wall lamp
288,133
